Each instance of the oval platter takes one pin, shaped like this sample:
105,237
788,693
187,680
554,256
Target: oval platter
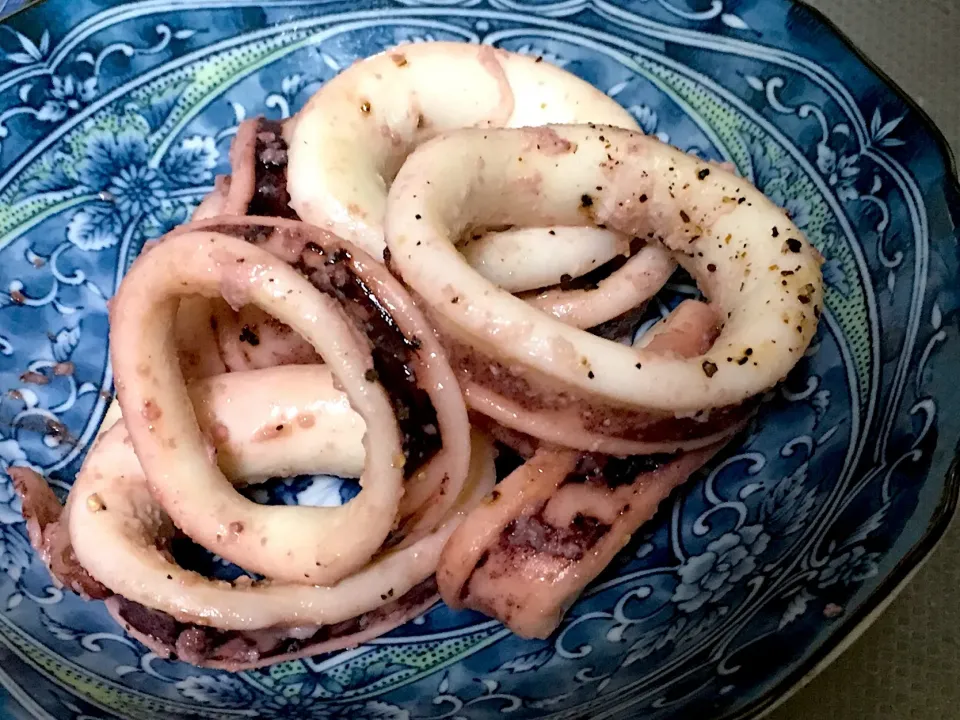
114,119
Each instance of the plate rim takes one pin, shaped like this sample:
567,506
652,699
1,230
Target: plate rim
902,573
850,630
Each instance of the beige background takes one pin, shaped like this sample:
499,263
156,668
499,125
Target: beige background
908,664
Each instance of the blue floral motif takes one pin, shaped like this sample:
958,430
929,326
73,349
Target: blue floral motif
136,190
840,172
849,567
728,559
167,216
67,95
191,163
133,191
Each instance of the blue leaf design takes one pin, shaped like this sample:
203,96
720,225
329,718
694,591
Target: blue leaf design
20,58
96,227
330,685
869,526
52,178
826,159
156,109
58,629
796,608
530,661
374,672
65,343
192,163
27,44
887,128
786,508
734,21
654,640
223,690
835,277
108,155
14,551
370,710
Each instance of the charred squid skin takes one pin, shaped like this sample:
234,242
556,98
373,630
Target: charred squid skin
213,337
542,553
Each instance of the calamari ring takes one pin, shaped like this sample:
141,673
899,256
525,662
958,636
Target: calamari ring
761,274
111,506
436,483
314,545
347,144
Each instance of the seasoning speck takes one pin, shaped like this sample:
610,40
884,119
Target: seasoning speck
371,375
586,200
709,368
702,175
249,336
95,503
793,245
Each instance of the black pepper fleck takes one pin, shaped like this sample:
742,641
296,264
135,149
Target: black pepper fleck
249,336
709,368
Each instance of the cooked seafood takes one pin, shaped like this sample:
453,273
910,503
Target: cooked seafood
760,273
487,270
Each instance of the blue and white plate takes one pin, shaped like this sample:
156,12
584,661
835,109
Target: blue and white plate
749,578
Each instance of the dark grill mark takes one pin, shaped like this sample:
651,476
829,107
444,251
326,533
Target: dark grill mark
270,197
613,472
199,644
533,532
393,353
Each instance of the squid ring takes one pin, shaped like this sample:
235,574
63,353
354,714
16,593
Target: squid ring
110,506
312,545
761,274
347,144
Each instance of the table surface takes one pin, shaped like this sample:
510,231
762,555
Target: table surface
907,664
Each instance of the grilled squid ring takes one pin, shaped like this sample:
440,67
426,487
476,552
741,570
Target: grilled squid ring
111,506
759,271
349,141
312,545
